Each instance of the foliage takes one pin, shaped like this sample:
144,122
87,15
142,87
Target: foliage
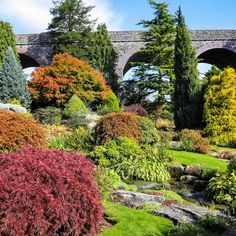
75,121
56,131
48,115
14,101
232,165
80,139
17,129
75,105
7,39
117,124
71,27
131,161
66,76
220,108
134,222
48,193
205,161
154,74
137,109
222,189
149,134
164,124
13,84
103,56
192,140
188,104
110,104
208,225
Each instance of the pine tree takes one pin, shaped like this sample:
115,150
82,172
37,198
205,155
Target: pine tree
154,76
188,104
13,84
7,39
103,56
71,27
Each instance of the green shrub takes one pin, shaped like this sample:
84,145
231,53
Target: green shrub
48,115
232,165
76,120
149,133
110,104
117,124
15,101
188,229
80,139
130,160
191,140
222,189
75,105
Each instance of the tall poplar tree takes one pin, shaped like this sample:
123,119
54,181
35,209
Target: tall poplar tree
154,76
188,105
103,56
7,39
71,27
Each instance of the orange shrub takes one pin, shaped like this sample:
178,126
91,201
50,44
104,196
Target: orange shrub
67,75
117,124
17,129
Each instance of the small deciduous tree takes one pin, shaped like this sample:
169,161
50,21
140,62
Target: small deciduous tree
187,92
13,82
220,108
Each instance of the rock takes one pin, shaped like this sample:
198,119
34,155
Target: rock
188,179
200,185
182,213
136,199
148,186
176,171
193,170
196,196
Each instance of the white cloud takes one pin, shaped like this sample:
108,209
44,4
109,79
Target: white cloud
33,15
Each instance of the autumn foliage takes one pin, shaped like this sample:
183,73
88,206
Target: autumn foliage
48,193
17,129
137,109
66,76
117,124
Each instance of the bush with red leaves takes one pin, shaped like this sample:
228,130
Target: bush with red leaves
137,109
48,193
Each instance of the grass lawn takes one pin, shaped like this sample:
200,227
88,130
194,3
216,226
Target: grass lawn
190,158
131,222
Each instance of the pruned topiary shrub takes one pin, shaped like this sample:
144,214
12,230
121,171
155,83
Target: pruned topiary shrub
17,129
117,124
137,109
48,193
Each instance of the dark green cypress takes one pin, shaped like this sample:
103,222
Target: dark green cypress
187,91
103,56
13,82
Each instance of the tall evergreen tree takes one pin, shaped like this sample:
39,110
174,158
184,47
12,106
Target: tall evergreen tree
188,103
13,82
71,27
7,39
154,76
103,56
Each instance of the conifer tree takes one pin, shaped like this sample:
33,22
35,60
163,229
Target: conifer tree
188,104
155,74
103,56
7,39
13,84
71,27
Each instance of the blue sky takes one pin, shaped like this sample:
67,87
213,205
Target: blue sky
32,16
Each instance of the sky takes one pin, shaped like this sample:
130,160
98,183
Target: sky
32,16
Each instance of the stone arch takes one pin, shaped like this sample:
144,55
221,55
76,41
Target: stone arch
219,54
27,61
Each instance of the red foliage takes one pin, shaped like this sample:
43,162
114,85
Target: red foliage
16,129
48,193
117,124
137,109
67,75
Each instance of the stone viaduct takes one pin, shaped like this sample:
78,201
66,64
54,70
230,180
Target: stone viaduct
216,47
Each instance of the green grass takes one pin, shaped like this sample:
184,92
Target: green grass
190,158
131,222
